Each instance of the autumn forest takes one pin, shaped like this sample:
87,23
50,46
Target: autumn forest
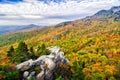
92,46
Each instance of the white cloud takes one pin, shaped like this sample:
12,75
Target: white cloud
32,11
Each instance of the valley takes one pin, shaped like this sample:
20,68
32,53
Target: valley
6,29
92,45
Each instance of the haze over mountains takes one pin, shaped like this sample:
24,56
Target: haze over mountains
113,12
20,14
14,28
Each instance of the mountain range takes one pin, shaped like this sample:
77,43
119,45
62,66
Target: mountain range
114,13
91,44
13,28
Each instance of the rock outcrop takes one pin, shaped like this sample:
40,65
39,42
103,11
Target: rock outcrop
47,63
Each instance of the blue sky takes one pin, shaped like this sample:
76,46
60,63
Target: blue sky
49,12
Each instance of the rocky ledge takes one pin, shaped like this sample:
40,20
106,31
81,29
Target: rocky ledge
48,64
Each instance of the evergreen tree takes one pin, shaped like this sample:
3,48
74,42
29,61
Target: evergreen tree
31,49
32,53
22,52
43,47
10,53
42,50
22,48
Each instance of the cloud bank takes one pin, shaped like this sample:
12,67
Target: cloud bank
40,13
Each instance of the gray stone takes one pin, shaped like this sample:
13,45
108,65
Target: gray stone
31,76
25,74
47,63
25,65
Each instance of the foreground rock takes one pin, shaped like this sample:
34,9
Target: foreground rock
47,63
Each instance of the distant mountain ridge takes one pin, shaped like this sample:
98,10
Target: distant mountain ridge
9,29
114,12
63,23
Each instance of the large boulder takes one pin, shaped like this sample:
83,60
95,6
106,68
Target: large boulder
47,63
50,63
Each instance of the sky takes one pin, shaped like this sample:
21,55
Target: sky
49,12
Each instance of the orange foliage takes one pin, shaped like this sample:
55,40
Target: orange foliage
97,67
111,68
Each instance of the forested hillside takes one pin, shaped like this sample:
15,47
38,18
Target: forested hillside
92,46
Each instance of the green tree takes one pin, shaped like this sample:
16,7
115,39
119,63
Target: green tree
14,75
78,68
43,47
31,49
32,53
22,53
22,48
11,52
42,50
